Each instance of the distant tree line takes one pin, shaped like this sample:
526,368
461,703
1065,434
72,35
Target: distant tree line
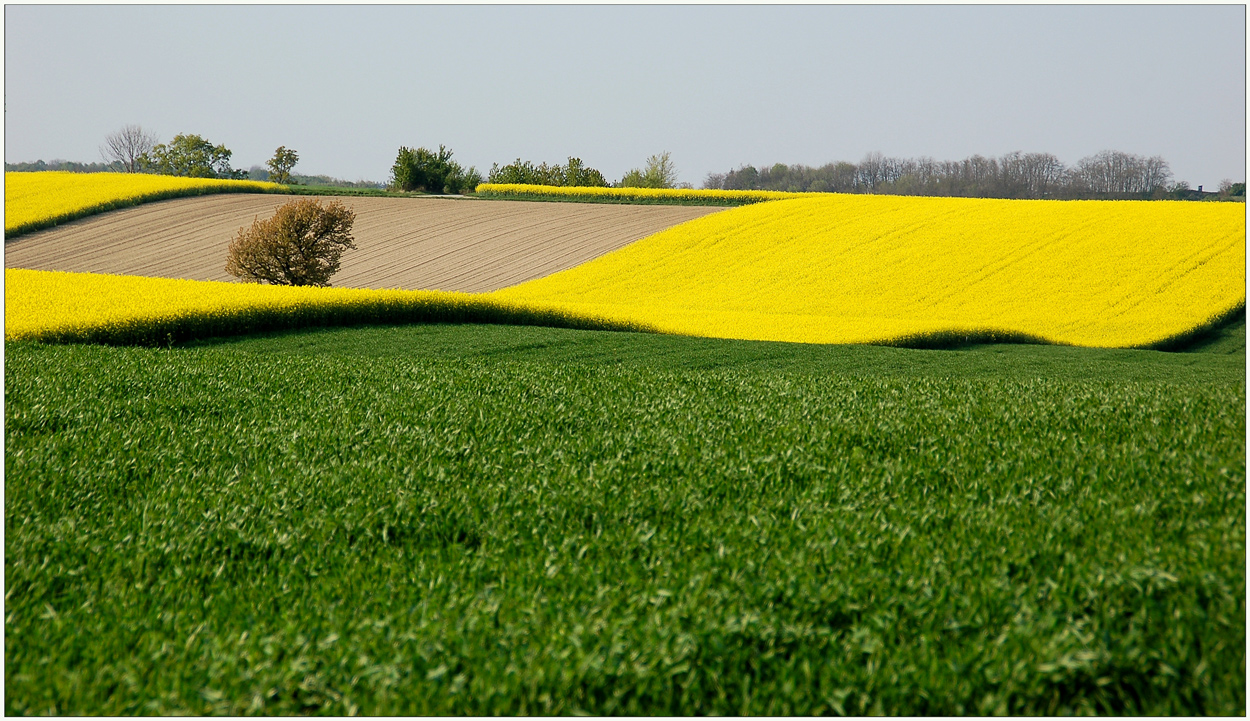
574,173
135,150
63,165
261,173
1109,174
138,151
658,172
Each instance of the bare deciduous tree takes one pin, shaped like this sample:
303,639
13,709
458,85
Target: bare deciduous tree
714,181
1114,172
1155,173
127,145
871,171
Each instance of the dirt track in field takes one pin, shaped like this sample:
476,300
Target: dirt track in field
431,243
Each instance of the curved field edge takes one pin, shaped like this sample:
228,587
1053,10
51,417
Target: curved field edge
923,272
57,307
668,533
1176,342
938,335
401,243
217,187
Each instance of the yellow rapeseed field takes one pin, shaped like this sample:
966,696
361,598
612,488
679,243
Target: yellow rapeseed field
816,269
37,200
889,269
89,307
729,197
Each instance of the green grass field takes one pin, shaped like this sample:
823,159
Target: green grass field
488,519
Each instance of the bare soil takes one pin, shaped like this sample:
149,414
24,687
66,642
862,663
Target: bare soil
412,243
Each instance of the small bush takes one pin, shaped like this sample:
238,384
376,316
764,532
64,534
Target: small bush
467,182
302,244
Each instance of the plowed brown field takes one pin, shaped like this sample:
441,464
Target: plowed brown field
412,243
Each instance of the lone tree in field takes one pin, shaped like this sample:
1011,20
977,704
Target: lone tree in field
281,163
126,146
301,244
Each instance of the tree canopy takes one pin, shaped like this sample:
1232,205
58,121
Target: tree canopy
281,163
302,244
190,156
574,174
433,172
658,173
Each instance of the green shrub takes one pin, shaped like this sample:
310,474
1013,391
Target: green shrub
659,173
523,172
464,182
432,172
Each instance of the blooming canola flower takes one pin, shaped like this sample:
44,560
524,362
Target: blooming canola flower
36,200
813,268
833,268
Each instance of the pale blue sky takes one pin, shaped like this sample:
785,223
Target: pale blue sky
718,86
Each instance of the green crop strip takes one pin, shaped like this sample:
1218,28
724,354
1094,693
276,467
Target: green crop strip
477,520
608,200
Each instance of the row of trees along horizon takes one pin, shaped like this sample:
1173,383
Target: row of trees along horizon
1109,174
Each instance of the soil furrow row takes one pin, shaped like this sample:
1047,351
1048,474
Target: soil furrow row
465,245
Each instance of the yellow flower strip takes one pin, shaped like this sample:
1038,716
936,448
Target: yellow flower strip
121,309
39,200
820,269
908,270
719,197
